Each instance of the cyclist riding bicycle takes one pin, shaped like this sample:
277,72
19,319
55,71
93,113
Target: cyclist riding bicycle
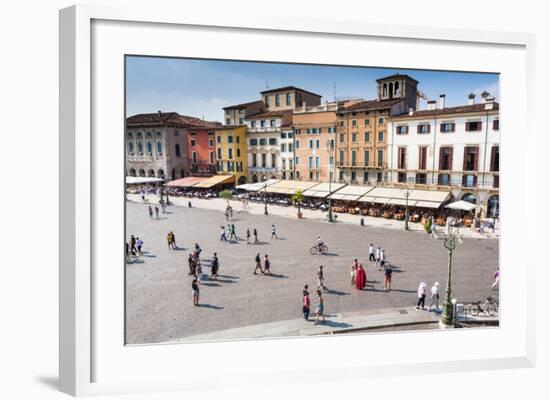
320,242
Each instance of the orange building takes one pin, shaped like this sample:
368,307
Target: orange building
201,149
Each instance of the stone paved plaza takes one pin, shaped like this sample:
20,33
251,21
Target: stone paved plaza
159,305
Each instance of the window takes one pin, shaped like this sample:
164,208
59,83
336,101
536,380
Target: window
297,131
290,147
317,162
422,154
131,148
253,141
241,121
263,141
401,177
272,123
469,180
230,153
283,135
253,124
353,176
473,126
380,137
273,160
263,160
402,158
341,123
297,144
254,160
266,101
367,121
283,147
423,129
365,176
366,157
238,152
210,142
273,141
332,143
317,143
211,157
194,157
421,178
149,148
296,160
159,148
230,139
354,158
496,125
470,158
341,159
238,138
402,129
227,121
342,137
219,153
288,99
447,127
446,158
219,139
341,176
354,137
353,123
443,179
311,143
367,136
193,142
495,158
176,132
140,148
289,134
381,120
262,123
277,100
380,158
177,149
379,176
314,130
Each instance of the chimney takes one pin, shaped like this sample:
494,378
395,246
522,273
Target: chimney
411,111
441,101
489,102
160,113
484,96
431,105
471,99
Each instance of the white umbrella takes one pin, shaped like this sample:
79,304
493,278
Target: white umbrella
461,205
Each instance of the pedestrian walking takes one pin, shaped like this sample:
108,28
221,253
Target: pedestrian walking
360,277
320,310
128,253
199,273
267,265
156,212
497,279
305,302
321,279
195,289
139,244
258,261
150,211
169,240
233,233
215,266
191,262
133,245
273,232
353,271
371,253
377,254
388,271
248,236
421,296
434,297
382,259
255,232
223,237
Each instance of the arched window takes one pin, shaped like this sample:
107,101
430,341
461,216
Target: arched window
391,89
160,173
140,148
396,88
178,152
493,206
470,198
254,178
159,148
151,173
139,136
149,148
131,148
385,90
141,172
130,136
132,172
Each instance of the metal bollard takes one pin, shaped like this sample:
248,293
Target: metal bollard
189,203
362,221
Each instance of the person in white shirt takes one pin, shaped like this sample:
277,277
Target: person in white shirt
382,258
371,254
377,255
434,298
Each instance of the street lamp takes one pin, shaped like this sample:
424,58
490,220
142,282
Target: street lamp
407,193
265,197
162,189
450,242
329,150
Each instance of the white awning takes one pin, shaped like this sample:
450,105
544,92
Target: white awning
397,196
257,186
351,192
461,205
130,180
289,187
323,189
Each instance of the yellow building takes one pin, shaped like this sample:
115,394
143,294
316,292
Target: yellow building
231,152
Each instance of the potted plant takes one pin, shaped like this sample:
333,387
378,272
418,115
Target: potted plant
297,198
227,195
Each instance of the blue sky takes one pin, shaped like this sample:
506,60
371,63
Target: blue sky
201,88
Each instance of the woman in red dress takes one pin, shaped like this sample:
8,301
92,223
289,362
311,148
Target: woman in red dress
360,278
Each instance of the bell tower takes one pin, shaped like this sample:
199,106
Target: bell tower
398,86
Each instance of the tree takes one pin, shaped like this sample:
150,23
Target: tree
297,198
227,195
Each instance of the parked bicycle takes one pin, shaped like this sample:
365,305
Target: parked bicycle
489,306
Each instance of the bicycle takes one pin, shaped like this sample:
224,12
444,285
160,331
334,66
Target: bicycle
319,248
488,306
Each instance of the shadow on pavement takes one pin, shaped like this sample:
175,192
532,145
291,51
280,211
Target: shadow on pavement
336,292
274,275
210,306
210,284
331,323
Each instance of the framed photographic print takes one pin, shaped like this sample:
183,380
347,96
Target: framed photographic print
245,194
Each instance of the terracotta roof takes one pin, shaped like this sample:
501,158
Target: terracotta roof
284,88
370,105
170,118
244,105
397,76
285,114
473,108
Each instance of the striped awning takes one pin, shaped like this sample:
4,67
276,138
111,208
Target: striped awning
215,180
186,182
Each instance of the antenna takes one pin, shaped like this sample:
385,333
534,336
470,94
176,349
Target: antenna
334,85
266,84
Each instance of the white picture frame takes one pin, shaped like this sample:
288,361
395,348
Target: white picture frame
93,38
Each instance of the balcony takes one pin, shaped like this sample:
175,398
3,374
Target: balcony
262,169
150,158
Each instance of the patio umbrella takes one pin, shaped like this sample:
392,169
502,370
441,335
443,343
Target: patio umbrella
461,205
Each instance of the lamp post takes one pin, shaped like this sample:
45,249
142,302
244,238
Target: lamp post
265,198
329,150
162,189
407,193
450,242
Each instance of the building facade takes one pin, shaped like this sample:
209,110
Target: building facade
201,150
231,152
236,114
454,148
362,131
